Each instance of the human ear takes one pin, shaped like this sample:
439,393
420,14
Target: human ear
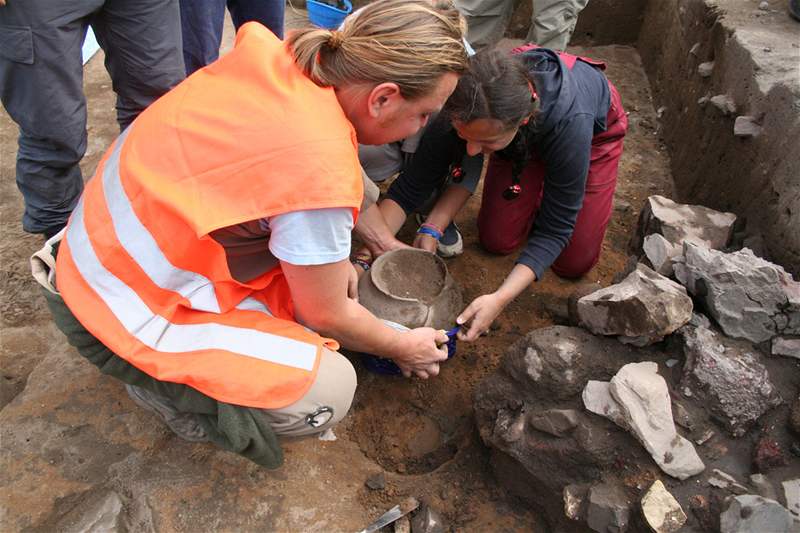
382,98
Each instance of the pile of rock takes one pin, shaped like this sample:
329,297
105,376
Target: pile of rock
586,424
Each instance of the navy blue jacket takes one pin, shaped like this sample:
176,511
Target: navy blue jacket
573,105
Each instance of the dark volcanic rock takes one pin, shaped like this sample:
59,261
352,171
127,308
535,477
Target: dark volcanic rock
609,508
768,455
728,379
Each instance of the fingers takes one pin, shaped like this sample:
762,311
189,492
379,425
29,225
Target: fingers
441,337
467,314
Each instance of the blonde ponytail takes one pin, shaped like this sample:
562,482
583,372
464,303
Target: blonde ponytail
408,42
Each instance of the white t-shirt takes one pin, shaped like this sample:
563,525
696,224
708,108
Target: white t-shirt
311,237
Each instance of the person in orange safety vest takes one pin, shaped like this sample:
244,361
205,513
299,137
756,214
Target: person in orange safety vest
208,258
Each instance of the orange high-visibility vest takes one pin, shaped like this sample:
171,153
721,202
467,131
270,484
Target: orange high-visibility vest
247,137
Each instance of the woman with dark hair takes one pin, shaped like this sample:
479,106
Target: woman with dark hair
555,126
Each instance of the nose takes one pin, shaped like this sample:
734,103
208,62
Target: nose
473,148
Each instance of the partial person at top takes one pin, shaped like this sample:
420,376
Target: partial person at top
202,23
552,21
207,265
41,86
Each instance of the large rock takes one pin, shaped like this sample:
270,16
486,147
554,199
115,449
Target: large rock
642,309
661,510
644,400
728,379
750,298
676,224
609,509
534,395
749,513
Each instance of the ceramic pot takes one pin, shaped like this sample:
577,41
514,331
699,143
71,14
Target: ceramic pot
411,287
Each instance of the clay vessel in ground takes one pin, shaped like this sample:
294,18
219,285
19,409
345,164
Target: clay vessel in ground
413,288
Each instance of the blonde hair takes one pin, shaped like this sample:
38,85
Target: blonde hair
409,42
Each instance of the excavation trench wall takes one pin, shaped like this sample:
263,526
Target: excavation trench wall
756,55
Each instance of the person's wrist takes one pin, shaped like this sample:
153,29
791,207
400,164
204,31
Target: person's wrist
431,230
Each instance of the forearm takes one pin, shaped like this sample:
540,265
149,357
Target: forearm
377,233
448,205
517,281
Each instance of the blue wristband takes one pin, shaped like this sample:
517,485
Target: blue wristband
430,231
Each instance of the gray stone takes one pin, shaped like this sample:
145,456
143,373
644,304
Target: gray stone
660,253
695,49
733,385
642,309
725,481
682,416
575,501
402,525
376,481
598,400
661,510
745,126
104,517
556,422
644,399
763,6
703,100
724,103
749,297
679,223
749,513
699,320
427,520
609,509
763,486
705,69
791,493
786,347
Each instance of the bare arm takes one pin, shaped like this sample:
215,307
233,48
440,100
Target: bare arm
319,294
449,204
377,229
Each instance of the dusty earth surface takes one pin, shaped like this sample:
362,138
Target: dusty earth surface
72,439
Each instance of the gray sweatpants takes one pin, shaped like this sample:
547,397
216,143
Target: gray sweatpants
41,86
552,23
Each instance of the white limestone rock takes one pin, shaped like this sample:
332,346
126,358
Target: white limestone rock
644,400
705,69
598,400
786,347
661,510
749,514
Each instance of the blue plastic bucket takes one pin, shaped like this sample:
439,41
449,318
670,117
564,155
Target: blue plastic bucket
387,367
325,16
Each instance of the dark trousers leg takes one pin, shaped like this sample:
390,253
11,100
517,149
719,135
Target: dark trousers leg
142,43
270,13
41,87
201,24
234,428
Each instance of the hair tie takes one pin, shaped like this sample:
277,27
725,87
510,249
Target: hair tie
335,40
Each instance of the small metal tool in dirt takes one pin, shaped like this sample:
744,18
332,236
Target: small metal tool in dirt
399,510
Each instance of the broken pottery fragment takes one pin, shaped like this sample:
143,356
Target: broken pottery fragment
725,481
749,513
730,381
644,400
661,510
609,508
413,288
642,309
748,297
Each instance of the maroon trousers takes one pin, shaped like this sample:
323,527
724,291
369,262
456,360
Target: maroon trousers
504,225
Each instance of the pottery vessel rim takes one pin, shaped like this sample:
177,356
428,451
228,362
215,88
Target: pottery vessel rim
380,264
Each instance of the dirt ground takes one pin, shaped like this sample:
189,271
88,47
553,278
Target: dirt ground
71,437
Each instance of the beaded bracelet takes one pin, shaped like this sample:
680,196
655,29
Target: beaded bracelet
430,229
363,260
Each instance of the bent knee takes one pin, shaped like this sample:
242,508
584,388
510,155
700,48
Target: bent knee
498,244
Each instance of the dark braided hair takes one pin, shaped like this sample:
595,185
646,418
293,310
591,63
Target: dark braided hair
497,86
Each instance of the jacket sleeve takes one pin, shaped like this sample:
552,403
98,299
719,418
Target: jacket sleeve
566,154
428,168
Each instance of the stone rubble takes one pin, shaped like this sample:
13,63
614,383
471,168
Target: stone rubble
642,400
786,347
791,493
427,520
725,481
609,509
724,103
575,501
661,510
705,69
749,513
729,381
764,486
748,297
746,127
678,223
768,454
642,309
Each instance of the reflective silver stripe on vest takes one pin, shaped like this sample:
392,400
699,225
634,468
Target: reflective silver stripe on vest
158,333
142,247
